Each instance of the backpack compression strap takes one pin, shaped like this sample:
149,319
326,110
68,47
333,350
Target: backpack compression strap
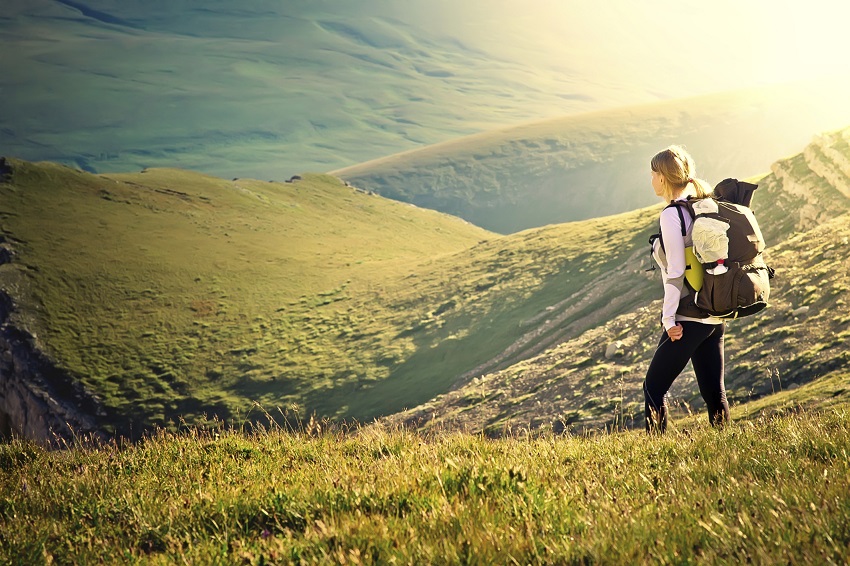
658,235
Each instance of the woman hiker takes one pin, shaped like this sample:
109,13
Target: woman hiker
688,333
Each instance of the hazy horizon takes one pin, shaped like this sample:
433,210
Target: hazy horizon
272,87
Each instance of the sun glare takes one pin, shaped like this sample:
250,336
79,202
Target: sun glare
726,44
813,39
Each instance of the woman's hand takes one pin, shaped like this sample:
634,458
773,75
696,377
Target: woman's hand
675,332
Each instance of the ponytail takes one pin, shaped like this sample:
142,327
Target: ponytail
701,188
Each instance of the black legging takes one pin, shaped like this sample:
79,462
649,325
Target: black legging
703,345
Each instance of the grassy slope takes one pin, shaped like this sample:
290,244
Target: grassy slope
479,303
174,303
574,385
172,293
590,165
184,298
804,220
766,490
380,495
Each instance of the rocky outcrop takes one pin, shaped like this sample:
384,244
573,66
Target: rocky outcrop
830,147
828,163
38,400
5,170
614,350
805,187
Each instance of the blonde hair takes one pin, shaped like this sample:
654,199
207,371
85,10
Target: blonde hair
677,168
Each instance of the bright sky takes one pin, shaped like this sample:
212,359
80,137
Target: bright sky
819,42
763,40
725,43
774,40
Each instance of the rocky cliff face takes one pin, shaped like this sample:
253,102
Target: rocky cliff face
827,157
810,188
37,400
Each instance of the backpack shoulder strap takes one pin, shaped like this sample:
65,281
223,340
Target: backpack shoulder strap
679,205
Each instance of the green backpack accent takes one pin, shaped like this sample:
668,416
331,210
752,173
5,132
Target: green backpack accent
694,272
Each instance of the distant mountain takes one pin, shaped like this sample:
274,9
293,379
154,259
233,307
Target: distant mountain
594,164
136,300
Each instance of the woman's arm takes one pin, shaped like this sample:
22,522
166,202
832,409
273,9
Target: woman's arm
674,249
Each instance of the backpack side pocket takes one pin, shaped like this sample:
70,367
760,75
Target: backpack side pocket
738,292
717,293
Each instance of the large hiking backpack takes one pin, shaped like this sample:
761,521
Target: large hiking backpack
728,244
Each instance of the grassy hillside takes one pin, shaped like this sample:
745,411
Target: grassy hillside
575,385
172,302
559,282
378,494
169,294
596,164
769,489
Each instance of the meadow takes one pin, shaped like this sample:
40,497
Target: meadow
192,297
195,295
770,488
178,297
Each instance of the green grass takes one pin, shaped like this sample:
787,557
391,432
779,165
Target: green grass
571,384
485,295
169,293
575,386
172,295
771,488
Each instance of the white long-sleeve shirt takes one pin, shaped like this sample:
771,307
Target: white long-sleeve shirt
671,260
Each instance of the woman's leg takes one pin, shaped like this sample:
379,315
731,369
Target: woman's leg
709,369
667,363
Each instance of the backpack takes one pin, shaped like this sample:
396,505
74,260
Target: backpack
725,268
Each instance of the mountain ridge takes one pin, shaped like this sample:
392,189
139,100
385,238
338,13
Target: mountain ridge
588,165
